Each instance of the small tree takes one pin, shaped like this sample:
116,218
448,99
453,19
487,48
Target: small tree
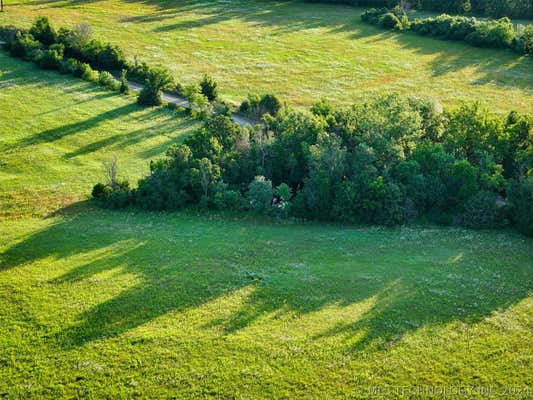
260,194
111,169
42,31
157,80
209,88
197,100
124,86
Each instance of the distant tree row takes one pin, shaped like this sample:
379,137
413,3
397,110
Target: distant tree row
482,33
488,8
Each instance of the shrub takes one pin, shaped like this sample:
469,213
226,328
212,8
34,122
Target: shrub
8,34
106,80
390,21
256,106
51,58
260,194
24,46
226,199
157,79
124,87
524,40
42,31
86,73
222,108
521,204
197,101
209,88
99,190
482,211
485,33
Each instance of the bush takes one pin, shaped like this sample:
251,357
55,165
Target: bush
42,31
99,190
390,21
482,211
8,34
256,106
209,88
106,80
521,204
260,194
87,73
124,85
157,79
486,33
103,56
524,40
197,101
50,59
24,46
226,199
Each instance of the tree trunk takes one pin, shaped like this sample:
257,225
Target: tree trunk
1,5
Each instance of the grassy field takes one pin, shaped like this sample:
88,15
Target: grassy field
57,131
298,51
101,304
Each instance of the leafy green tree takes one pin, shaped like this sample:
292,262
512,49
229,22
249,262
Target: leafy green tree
42,31
260,194
209,88
157,80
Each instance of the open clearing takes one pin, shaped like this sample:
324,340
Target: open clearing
299,52
102,304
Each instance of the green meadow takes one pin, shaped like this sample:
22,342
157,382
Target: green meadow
104,304
298,51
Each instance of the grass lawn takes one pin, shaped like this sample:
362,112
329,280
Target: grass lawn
296,50
102,304
56,131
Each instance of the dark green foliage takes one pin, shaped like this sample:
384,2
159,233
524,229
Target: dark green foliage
209,88
24,46
388,161
482,33
483,211
51,58
124,87
118,197
157,79
42,31
256,106
106,80
260,194
521,204
489,8
8,34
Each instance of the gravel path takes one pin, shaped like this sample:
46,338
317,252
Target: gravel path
170,98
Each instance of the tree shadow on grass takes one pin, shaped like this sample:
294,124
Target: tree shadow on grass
417,277
62,131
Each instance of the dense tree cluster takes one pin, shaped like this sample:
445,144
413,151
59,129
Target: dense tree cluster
482,33
488,8
387,161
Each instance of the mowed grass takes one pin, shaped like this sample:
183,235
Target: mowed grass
102,304
296,50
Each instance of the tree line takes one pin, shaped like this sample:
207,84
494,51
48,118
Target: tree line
487,8
481,33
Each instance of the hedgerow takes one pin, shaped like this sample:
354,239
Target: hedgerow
481,33
488,8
